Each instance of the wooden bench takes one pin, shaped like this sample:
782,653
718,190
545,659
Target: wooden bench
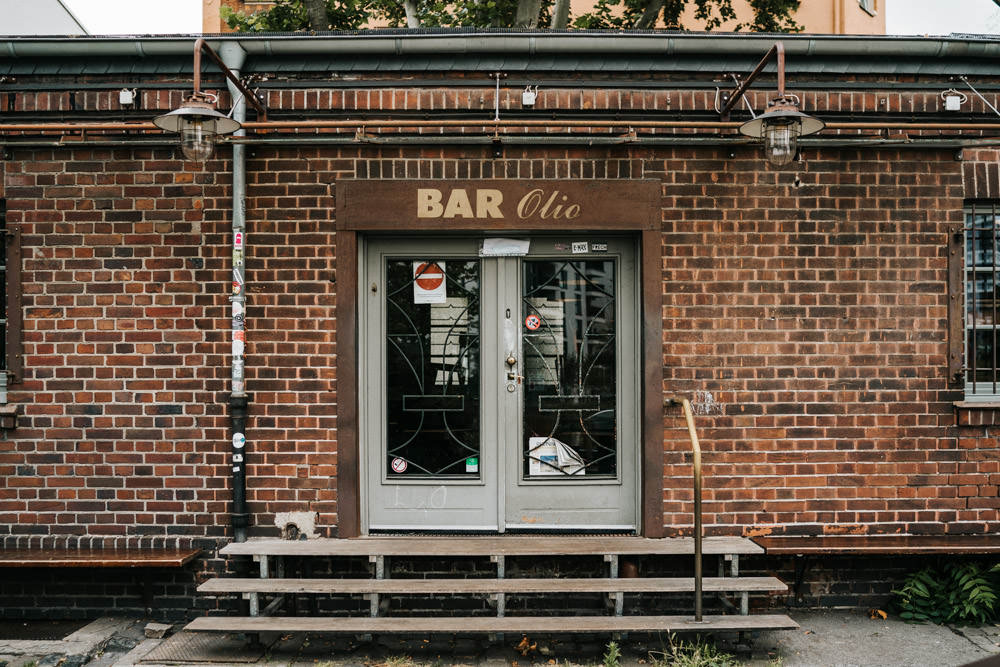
145,559
803,546
800,545
97,557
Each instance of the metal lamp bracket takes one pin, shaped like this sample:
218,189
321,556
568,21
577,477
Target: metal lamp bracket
778,53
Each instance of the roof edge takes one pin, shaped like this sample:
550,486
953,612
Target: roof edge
410,42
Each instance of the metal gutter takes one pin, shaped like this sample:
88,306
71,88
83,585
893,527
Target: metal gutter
414,42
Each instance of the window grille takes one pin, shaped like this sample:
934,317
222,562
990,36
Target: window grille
981,300
3,282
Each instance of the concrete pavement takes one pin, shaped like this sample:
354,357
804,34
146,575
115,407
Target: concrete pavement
825,639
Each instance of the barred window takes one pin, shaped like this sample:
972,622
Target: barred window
11,354
3,281
981,300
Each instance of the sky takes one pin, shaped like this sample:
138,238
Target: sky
903,17
136,17
941,17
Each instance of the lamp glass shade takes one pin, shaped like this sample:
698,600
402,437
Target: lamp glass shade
196,143
781,142
211,120
199,126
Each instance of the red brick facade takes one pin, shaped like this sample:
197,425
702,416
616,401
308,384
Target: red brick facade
805,311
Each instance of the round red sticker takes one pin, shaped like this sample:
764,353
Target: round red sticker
398,465
532,322
429,276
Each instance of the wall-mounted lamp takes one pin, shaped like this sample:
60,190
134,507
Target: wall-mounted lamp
197,121
782,124
199,125
780,127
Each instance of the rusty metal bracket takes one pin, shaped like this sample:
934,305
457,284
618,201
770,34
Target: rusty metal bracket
201,45
778,52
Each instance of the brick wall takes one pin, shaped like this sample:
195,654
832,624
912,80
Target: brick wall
805,310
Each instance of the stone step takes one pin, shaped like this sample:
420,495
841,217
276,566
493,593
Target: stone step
486,586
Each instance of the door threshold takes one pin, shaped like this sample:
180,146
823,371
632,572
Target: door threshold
558,528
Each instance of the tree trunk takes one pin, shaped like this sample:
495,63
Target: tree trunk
527,13
411,14
560,15
316,10
649,15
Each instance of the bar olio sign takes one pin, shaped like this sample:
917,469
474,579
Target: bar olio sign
497,204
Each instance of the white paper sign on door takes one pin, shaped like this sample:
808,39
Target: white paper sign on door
429,284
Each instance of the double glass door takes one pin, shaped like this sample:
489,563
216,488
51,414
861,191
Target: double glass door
499,392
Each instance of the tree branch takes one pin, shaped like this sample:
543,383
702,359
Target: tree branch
560,15
527,13
316,10
412,20
649,15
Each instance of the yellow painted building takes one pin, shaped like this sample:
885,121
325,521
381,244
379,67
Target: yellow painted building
837,17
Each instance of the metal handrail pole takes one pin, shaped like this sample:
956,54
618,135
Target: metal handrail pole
696,461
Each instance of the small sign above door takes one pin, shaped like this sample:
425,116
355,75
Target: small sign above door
497,204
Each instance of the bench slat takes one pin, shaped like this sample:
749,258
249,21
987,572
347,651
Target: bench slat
97,557
879,544
485,586
536,624
512,545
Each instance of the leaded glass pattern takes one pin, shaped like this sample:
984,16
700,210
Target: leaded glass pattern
570,368
432,371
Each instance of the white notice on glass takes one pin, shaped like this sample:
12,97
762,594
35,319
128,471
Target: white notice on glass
429,284
504,248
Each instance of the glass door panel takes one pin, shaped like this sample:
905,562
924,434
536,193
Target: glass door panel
570,371
572,461
432,367
429,433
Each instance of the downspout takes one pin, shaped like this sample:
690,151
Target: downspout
234,56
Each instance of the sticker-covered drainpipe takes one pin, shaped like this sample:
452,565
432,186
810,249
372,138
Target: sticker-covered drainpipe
234,56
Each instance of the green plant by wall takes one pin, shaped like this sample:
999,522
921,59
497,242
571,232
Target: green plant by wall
613,656
698,653
964,593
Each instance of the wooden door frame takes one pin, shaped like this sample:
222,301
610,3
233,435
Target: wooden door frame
355,215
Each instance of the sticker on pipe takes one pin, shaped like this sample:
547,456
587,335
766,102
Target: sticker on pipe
398,465
429,284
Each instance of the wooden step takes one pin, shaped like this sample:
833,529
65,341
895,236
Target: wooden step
477,624
508,545
486,586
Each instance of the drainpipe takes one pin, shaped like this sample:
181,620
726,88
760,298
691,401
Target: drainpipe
234,56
